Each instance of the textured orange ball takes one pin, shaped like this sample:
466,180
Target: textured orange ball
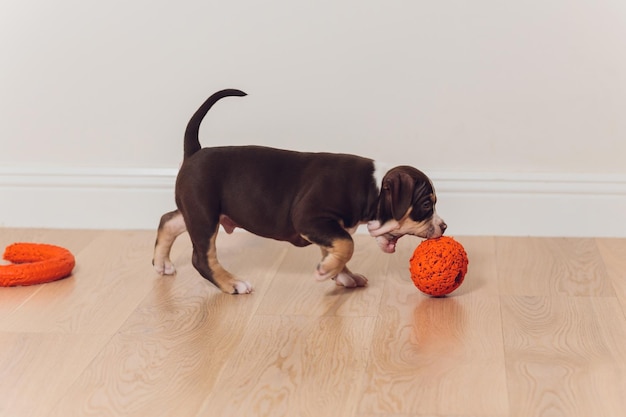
438,266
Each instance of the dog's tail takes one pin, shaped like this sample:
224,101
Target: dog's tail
192,143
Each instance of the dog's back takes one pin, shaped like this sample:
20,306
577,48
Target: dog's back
265,190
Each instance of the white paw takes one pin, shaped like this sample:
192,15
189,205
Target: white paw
164,267
350,280
360,280
242,287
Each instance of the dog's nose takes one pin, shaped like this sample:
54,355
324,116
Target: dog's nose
443,226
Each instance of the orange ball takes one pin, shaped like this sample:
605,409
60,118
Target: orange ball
438,266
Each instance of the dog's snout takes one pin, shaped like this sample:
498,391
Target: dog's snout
443,227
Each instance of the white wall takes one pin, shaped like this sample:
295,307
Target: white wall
498,89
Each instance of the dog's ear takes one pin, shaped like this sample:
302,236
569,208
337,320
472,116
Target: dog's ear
396,195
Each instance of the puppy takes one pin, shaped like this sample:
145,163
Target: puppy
301,198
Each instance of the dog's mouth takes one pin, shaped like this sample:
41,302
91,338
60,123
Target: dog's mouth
387,242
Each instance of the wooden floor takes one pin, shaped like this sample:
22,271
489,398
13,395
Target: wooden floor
537,329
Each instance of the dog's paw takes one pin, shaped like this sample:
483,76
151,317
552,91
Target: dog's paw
329,268
241,287
322,274
350,280
164,267
229,283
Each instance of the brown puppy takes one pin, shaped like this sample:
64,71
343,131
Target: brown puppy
302,198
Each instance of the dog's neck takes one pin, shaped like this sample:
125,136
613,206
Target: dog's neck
380,169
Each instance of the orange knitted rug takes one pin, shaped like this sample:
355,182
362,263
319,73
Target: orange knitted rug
35,263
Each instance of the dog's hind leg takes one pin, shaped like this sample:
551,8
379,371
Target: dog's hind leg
206,263
171,226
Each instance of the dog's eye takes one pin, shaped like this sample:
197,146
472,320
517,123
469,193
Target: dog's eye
427,205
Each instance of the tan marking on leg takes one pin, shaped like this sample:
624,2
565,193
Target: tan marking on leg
172,225
224,279
335,259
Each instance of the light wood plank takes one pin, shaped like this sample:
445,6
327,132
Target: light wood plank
294,366
294,291
36,369
565,356
165,359
613,252
551,266
537,328
409,415
438,356
482,268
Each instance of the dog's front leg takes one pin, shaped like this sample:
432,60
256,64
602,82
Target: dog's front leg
331,261
337,248
335,255
334,258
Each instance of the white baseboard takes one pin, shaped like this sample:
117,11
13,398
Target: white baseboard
515,204
85,198
508,204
